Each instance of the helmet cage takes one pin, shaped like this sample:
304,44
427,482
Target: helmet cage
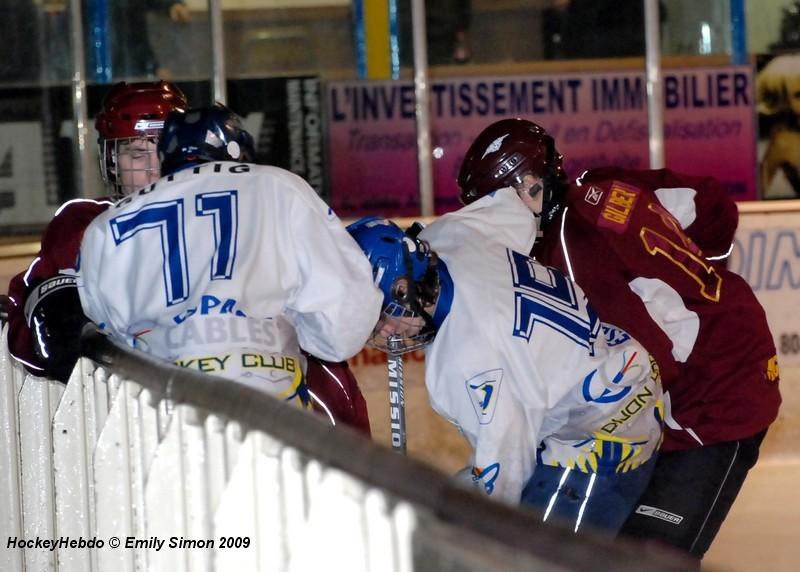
399,344
126,160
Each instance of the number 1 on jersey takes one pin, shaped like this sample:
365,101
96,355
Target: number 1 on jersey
223,207
686,256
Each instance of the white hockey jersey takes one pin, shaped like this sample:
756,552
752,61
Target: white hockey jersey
522,365
225,267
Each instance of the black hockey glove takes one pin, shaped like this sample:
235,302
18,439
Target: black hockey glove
55,317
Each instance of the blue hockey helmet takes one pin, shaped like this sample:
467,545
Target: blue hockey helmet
202,135
405,269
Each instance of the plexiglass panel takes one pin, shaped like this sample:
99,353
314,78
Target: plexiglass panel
303,74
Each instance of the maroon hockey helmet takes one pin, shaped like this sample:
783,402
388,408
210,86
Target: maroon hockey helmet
503,153
134,112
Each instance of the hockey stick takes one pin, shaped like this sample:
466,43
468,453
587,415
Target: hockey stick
397,401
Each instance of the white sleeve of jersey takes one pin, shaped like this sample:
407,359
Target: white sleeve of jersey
668,310
337,305
679,201
93,306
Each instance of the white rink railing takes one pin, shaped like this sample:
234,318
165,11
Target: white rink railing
192,473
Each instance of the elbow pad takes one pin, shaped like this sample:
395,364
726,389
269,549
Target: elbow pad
55,317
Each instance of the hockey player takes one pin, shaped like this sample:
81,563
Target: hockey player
562,412
128,126
649,249
226,266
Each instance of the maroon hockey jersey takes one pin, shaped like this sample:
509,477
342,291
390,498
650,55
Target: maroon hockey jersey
336,394
644,270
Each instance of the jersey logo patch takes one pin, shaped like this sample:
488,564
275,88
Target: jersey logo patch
486,476
593,195
494,145
618,207
483,391
773,371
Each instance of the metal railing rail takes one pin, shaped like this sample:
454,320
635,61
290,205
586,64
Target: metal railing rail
378,466
137,448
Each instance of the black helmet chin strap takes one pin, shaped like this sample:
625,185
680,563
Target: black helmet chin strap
553,187
552,200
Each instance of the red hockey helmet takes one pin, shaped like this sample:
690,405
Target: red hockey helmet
503,153
128,126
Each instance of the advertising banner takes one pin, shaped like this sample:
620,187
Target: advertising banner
766,253
597,118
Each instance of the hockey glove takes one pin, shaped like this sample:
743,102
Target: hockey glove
54,315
